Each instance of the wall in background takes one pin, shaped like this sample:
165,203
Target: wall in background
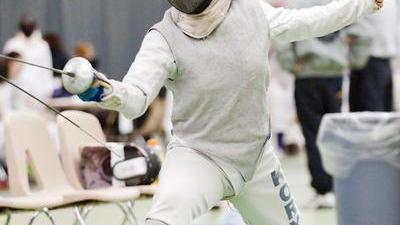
115,27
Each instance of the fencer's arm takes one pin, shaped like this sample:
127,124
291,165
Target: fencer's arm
153,65
300,24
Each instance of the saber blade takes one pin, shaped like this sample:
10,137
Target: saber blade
39,66
60,114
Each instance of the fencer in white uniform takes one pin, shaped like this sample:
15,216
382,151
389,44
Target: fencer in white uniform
213,56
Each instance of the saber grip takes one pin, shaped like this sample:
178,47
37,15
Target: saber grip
101,83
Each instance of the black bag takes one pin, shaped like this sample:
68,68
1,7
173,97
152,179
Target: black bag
136,165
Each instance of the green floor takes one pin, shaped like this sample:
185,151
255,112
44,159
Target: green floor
296,173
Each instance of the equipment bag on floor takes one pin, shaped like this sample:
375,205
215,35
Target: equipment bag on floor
134,165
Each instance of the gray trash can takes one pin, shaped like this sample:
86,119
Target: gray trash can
362,152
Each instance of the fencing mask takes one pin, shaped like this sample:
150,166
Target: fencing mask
190,6
138,165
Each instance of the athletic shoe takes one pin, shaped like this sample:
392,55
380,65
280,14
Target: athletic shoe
326,201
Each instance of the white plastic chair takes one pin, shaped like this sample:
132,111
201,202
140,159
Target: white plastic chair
72,140
39,203
27,137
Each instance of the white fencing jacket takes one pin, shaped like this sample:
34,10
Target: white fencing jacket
154,63
239,128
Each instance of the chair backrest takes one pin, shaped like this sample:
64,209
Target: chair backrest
27,140
73,139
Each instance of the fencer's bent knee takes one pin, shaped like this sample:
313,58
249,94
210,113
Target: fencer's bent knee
170,209
178,206
189,186
175,198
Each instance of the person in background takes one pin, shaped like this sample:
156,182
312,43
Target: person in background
3,68
28,42
60,58
318,66
8,94
396,82
286,134
86,50
58,52
371,84
285,129
396,77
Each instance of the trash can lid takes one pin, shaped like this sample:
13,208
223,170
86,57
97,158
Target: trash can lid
345,139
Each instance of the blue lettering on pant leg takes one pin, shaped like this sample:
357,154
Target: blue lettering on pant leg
291,210
296,221
277,176
285,195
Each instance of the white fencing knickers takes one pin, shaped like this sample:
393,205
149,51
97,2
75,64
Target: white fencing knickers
191,184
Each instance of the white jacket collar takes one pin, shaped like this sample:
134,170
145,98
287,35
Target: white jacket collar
201,25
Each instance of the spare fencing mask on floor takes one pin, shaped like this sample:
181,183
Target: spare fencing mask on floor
138,165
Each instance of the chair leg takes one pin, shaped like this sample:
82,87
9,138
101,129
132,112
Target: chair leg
78,215
35,215
47,213
129,216
84,212
124,221
130,204
130,207
80,211
121,207
8,218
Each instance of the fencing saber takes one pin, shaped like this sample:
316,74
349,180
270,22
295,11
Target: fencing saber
60,114
36,65
75,82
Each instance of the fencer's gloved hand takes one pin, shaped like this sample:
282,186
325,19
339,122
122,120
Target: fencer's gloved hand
93,86
92,94
96,92
86,82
